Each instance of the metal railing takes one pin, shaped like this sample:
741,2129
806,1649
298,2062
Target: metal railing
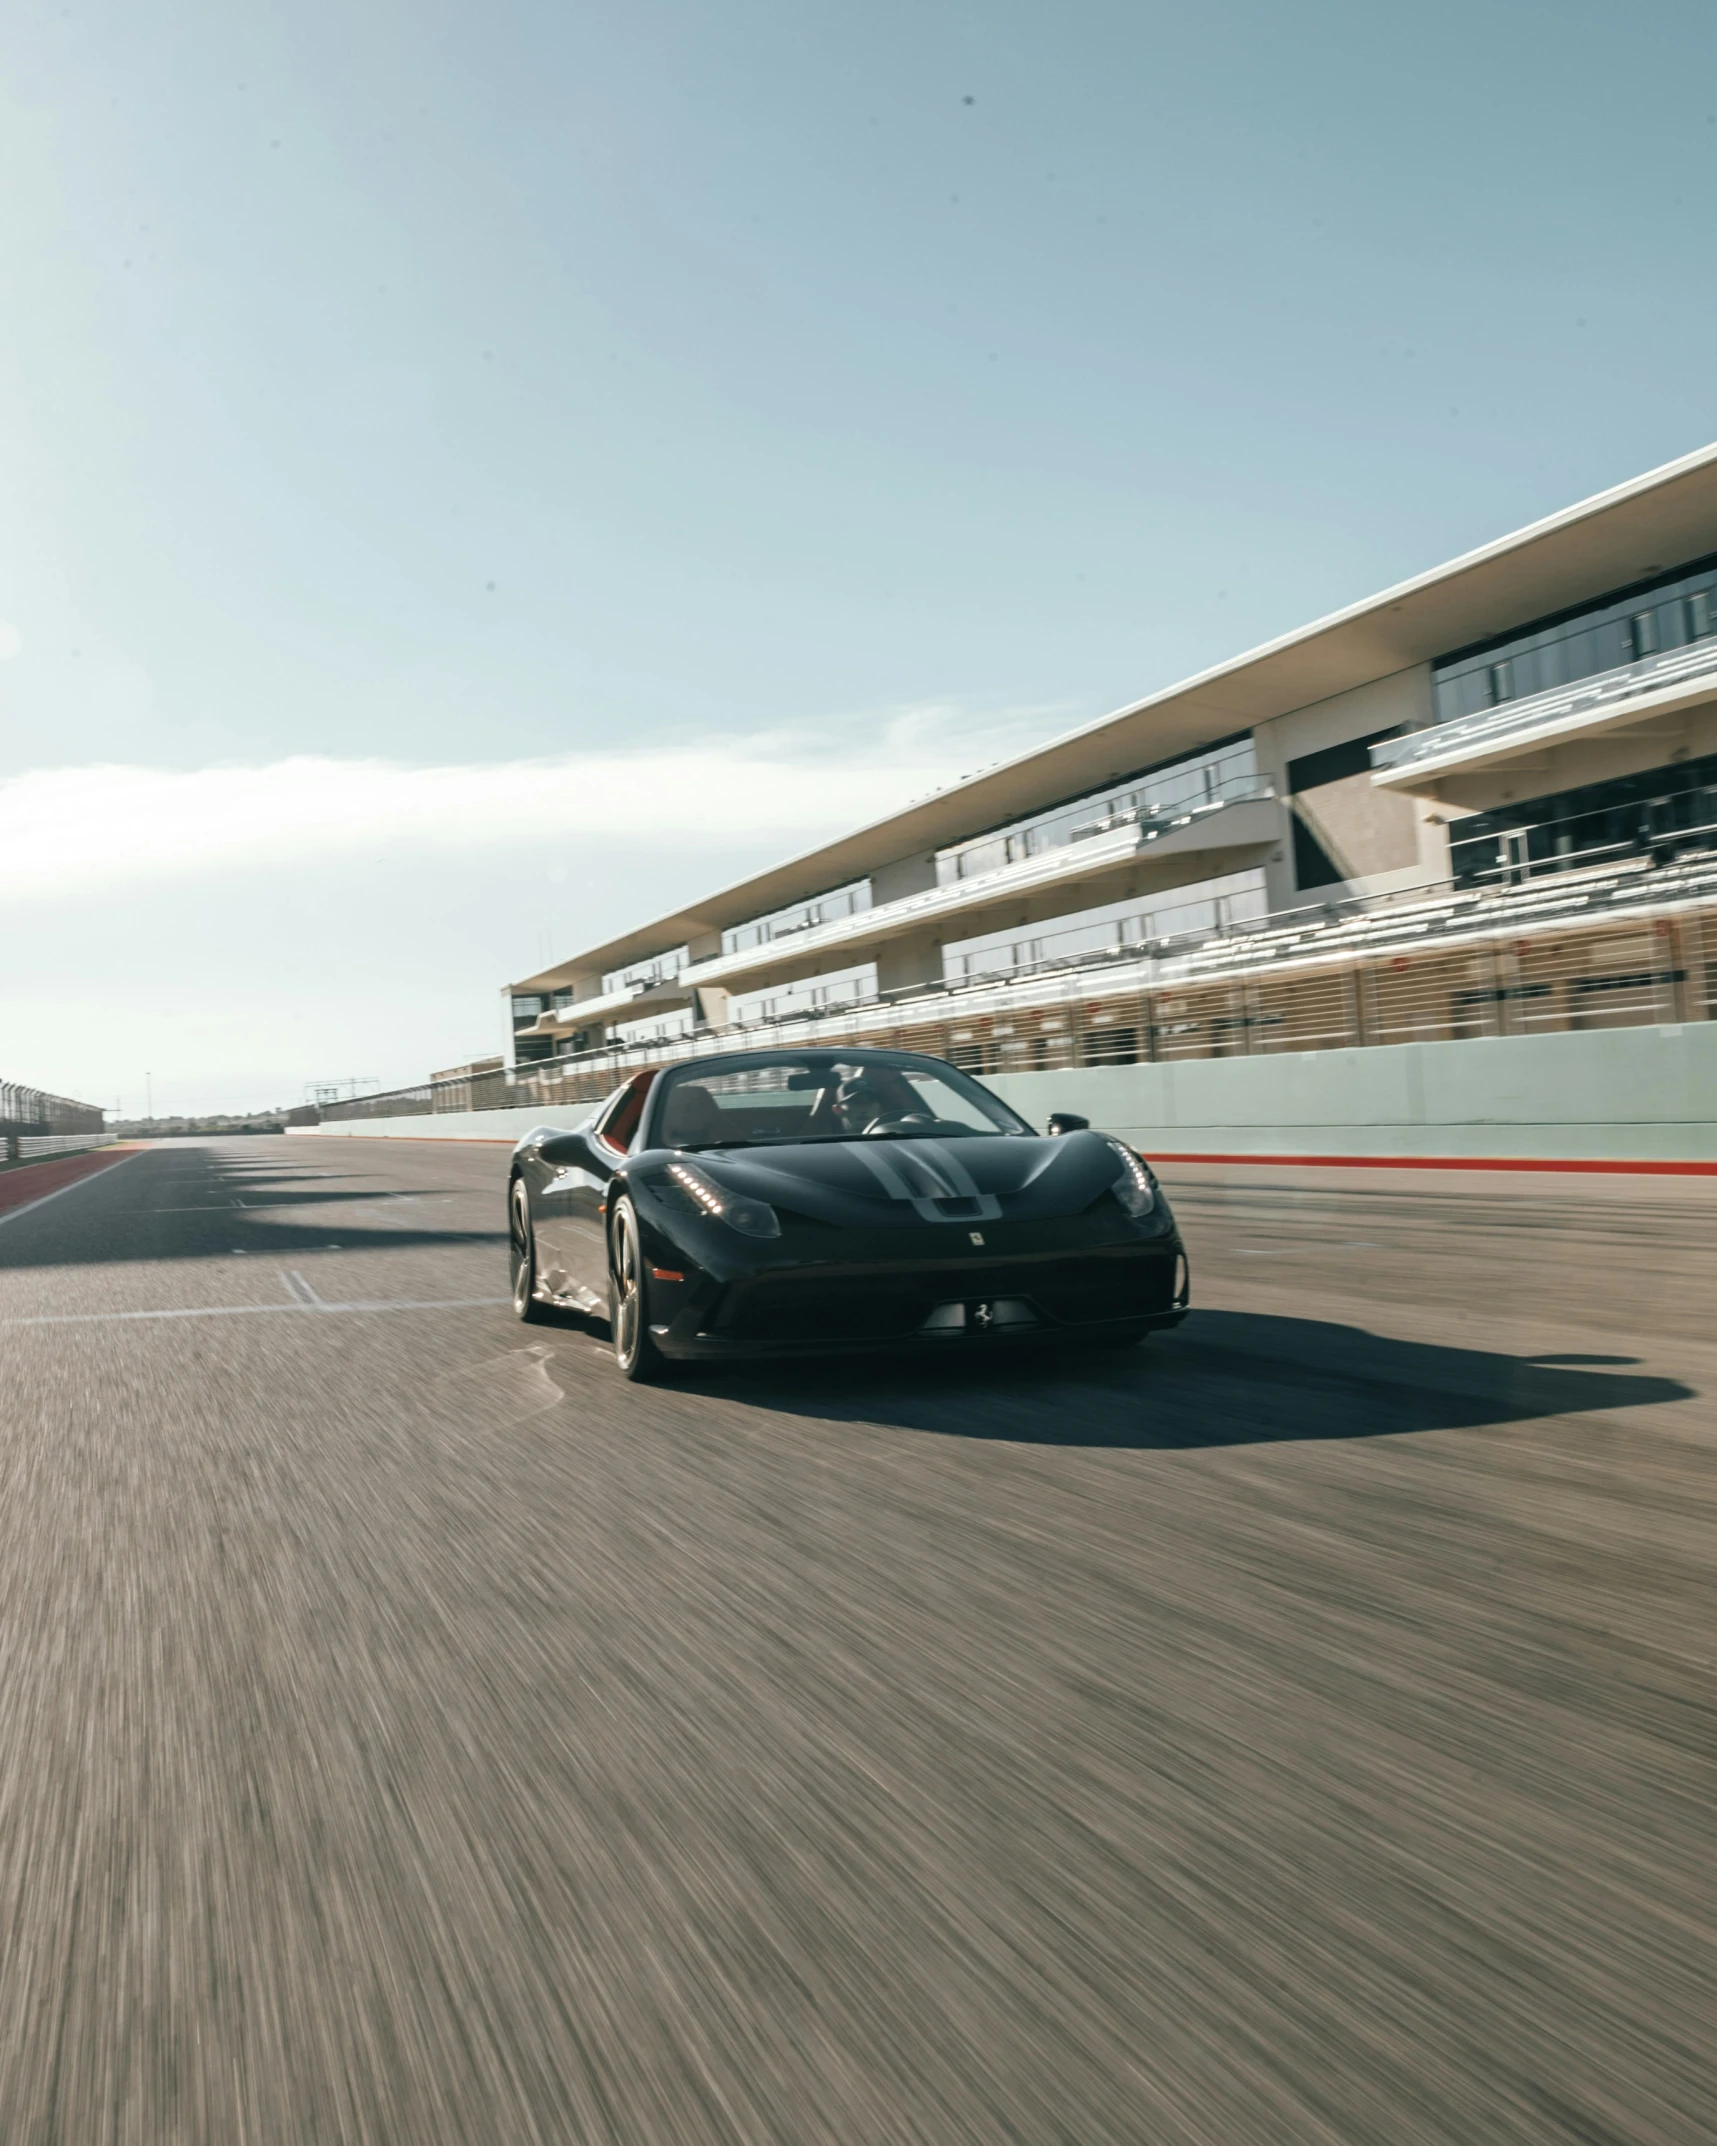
1149,800
1611,948
33,1122
991,854
1684,820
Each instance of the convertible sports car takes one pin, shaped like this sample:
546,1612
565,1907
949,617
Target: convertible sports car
775,1203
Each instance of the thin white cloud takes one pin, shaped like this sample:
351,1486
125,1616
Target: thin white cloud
74,830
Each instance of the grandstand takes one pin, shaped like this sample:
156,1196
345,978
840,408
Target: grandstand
1481,804
1617,947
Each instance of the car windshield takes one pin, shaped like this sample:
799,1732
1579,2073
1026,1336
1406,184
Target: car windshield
857,1096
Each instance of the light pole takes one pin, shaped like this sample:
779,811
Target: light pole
149,1097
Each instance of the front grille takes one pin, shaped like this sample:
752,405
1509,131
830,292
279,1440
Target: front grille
1070,1291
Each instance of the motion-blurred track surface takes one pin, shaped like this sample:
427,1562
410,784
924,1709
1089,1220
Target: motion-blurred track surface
1300,1730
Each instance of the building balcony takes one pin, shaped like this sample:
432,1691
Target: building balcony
1136,853
611,1006
1612,700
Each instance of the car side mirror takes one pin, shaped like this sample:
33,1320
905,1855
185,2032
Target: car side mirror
565,1149
1068,1121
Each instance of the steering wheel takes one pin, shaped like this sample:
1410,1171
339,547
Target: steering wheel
908,1121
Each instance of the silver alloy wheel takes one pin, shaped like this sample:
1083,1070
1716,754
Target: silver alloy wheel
628,1301
522,1254
635,1350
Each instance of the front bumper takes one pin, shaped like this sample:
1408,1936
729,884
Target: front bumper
944,1306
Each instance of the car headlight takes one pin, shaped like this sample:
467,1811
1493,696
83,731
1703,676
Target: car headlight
1135,1188
752,1218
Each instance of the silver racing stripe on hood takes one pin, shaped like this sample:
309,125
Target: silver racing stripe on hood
924,1172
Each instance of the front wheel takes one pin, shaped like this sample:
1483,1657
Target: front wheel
522,1255
635,1349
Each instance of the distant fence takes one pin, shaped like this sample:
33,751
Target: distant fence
1633,949
32,1122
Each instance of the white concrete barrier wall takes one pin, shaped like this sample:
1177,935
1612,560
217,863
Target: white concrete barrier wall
1620,1094
1610,1095
507,1125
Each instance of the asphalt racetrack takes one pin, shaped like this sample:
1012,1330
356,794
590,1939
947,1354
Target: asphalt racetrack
1300,1730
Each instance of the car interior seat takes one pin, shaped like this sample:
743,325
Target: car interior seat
692,1116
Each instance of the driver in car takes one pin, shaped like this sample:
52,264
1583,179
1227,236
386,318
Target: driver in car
872,1097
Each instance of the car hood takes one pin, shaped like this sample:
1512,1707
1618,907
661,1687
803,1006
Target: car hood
866,1182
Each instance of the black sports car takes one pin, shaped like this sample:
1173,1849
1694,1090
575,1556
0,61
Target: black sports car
783,1202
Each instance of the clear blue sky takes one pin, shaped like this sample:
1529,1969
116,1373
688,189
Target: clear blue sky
466,385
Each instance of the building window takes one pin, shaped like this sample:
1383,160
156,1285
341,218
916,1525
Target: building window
1671,612
1662,809
1207,778
1117,930
803,916
641,975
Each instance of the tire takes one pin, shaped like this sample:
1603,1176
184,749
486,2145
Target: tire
635,1349
522,1256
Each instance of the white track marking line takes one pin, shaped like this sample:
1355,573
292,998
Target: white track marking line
178,1210
29,1207
245,1311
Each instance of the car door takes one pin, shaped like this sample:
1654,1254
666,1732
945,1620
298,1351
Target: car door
571,1208
567,1207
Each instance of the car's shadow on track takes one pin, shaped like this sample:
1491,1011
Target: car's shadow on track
1225,1378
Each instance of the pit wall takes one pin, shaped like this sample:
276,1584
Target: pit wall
1619,1094
1608,1095
507,1125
